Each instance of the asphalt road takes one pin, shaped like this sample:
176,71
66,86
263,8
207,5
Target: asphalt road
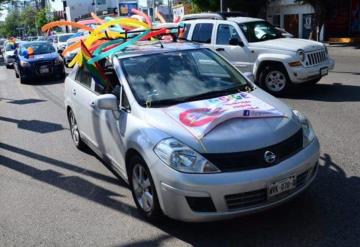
51,194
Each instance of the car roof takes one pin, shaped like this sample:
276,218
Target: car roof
153,47
63,34
35,42
244,19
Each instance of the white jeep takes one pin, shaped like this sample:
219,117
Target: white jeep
254,45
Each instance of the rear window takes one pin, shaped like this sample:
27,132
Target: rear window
202,33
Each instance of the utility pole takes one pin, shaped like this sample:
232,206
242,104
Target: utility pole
221,5
118,7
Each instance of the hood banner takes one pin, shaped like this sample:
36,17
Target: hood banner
200,117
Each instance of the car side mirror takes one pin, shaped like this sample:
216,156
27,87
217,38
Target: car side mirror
107,102
235,41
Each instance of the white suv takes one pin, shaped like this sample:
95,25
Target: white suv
254,45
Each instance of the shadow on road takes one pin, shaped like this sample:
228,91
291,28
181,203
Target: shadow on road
326,215
336,92
38,126
22,101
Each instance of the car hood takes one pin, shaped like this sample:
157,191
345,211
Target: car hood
234,135
41,57
289,44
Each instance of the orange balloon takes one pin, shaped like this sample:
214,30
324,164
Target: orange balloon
30,51
160,17
50,25
96,18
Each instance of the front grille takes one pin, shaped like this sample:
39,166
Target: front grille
259,197
254,159
315,58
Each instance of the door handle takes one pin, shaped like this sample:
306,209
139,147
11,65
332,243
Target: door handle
220,49
74,92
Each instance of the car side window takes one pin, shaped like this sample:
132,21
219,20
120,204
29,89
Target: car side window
83,76
225,34
202,33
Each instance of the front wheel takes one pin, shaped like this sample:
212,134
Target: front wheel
275,80
143,189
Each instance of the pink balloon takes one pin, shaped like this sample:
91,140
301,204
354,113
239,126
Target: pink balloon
147,18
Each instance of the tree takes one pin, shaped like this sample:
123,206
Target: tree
321,8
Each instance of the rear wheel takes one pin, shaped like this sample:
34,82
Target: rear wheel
143,189
275,80
75,133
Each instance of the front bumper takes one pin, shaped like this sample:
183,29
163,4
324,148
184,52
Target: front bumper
32,72
175,188
303,74
9,61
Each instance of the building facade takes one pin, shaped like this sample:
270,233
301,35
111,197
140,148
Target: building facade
342,19
293,17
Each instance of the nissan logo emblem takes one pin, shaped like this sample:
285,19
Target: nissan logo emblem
269,157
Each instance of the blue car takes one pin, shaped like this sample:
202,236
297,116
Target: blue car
38,59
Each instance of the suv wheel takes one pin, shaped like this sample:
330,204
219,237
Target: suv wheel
143,189
275,80
75,133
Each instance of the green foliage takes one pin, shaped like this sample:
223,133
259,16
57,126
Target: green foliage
27,22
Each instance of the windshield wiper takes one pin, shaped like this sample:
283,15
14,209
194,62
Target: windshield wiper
207,95
219,93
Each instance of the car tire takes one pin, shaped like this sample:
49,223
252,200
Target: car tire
312,82
75,132
143,189
22,80
275,80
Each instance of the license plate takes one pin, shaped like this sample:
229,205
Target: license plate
281,186
44,69
324,71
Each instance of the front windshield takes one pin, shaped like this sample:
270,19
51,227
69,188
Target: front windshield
169,78
64,38
259,31
39,47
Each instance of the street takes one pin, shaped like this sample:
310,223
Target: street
51,194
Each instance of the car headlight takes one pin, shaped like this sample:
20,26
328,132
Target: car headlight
24,64
182,158
301,55
308,132
58,61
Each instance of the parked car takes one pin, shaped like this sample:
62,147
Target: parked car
254,45
2,42
8,53
44,62
60,40
153,126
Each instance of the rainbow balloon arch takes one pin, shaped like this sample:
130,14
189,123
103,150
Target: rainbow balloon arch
112,36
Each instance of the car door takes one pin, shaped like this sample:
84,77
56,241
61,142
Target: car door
229,43
111,126
83,99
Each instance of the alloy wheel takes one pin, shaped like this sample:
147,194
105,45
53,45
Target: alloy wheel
275,81
142,188
74,128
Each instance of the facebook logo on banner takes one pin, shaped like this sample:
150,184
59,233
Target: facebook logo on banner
246,113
